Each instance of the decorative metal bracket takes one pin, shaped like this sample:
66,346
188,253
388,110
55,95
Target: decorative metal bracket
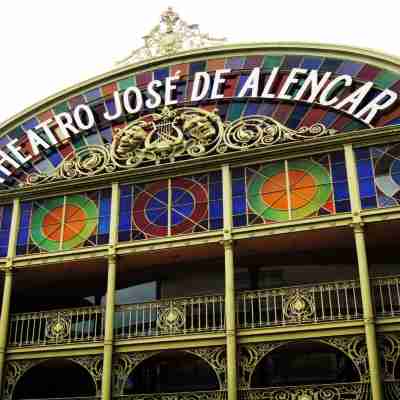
169,135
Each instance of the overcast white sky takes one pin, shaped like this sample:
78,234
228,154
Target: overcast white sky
48,45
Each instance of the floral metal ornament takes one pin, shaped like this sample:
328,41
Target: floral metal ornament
171,319
176,134
335,391
170,36
58,328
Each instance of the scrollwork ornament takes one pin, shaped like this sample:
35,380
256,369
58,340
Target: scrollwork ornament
250,355
14,371
216,358
340,391
172,134
389,346
355,348
123,366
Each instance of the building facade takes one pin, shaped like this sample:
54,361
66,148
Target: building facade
218,222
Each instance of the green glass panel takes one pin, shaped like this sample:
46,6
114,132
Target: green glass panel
272,61
79,143
353,126
125,83
62,107
386,79
235,111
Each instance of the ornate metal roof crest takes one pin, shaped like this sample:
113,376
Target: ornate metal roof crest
172,134
170,36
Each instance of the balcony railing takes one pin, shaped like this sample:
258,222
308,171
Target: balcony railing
324,302
195,395
334,391
299,304
55,327
170,317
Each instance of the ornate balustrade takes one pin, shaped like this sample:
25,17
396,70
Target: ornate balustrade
334,391
300,304
386,292
170,317
58,326
324,302
200,395
66,398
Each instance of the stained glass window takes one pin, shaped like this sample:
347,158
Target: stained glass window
5,224
171,207
378,169
288,190
64,222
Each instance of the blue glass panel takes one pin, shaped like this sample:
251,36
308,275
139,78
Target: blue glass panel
362,153
297,115
93,95
215,191
330,64
197,67
30,124
125,221
337,157
339,172
312,62
368,202
350,68
364,168
367,188
105,206
238,187
23,236
125,204
291,62
161,74
239,205
7,213
239,220
125,190
103,225
216,209
162,219
242,80
106,133
329,118
216,223
341,191
55,158
342,206
251,108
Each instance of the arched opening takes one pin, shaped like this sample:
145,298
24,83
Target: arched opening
174,371
56,378
304,363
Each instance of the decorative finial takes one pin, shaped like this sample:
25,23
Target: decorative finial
170,36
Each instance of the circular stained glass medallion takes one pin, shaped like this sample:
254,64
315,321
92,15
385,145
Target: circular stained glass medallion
188,207
70,224
309,185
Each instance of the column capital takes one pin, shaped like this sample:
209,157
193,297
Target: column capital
227,242
112,254
9,265
358,226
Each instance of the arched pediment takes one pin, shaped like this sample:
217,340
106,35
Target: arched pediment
241,94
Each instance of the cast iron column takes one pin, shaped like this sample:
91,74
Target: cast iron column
7,288
106,385
366,293
230,313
